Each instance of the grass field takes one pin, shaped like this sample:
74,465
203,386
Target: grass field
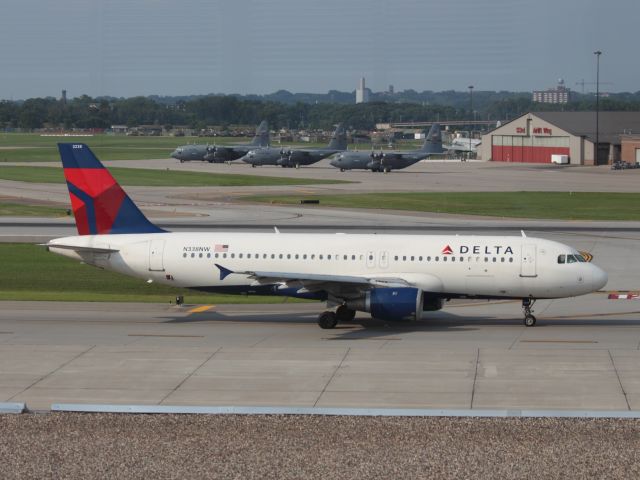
158,178
548,205
20,210
17,147
29,272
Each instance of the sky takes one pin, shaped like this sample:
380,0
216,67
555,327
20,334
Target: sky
124,48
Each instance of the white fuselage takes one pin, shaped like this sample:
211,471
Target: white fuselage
450,265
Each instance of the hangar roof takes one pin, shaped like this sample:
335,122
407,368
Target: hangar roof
612,124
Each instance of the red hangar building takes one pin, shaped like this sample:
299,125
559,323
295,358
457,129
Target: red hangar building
535,136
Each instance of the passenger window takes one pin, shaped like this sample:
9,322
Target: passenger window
233,255
412,258
288,256
396,258
444,259
320,257
511,260
239,255
561,258
437,258
273,255
420,258
328,257
248,255
453,259
184,255
280,256
224,255
200,255
428,259
353,257
345,257
461,259
404,258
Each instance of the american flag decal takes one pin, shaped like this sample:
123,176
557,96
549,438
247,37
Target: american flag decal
220,247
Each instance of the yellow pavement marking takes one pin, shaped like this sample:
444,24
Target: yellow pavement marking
202,308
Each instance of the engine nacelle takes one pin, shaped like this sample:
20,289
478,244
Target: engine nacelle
390,304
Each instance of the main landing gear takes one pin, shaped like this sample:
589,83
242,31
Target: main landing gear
527,305
329,319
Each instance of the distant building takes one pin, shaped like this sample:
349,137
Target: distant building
536,136
559,94
63,99
362,92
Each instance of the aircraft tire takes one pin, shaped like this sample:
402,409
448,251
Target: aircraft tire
529,320
327,320
345,314
342,169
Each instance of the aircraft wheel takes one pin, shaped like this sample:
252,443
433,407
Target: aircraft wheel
529,320
345,314
253,165
327,320
386,170
342,169
297,165
181,161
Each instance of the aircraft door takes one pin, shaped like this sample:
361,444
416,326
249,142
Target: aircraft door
371,259
528,261
156,254
383,259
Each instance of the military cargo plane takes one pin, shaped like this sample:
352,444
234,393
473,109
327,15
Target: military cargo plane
387,161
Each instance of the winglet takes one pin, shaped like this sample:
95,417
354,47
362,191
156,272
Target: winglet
224,272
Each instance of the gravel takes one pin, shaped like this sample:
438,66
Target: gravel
77,445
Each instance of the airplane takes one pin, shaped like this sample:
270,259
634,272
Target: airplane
391,276
226,153
295,157
221,153
187,153
462,144
387,161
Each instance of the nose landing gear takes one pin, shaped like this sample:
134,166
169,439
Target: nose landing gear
527,305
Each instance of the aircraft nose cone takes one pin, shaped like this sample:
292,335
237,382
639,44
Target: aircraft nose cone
599,278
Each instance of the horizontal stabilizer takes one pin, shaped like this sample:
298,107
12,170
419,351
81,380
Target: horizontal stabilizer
78,248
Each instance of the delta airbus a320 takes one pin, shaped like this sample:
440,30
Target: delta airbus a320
392,277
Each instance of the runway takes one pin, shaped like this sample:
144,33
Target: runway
583,355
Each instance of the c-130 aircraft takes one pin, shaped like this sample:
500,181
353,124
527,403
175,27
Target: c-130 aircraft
392,277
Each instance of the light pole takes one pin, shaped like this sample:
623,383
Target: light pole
597,53
471,112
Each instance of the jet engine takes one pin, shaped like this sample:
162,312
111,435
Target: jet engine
390,303
405,303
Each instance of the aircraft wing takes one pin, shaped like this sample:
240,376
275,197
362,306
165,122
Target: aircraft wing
317,282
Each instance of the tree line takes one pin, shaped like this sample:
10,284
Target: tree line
222,110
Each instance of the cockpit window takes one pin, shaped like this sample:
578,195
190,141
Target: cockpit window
571,259
580,258
562,258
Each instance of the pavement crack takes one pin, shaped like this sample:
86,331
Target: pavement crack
189,376
344,357
626,399
60,367
475,377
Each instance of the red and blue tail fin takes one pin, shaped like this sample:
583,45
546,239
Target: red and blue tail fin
100,206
